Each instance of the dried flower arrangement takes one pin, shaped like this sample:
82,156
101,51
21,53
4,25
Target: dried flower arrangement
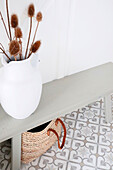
15,45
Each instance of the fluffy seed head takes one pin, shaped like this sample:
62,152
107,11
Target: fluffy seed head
18,32
39,16
31,10
14,21
35,46
14,48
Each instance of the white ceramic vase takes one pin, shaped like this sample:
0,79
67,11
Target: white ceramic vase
20,87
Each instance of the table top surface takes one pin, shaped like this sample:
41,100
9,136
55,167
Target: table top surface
60,97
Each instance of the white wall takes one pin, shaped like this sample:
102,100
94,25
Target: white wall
75,34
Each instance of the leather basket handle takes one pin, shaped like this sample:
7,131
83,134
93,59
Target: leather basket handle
52,130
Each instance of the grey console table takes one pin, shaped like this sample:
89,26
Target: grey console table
58,98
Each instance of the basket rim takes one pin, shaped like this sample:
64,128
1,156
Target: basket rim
42,131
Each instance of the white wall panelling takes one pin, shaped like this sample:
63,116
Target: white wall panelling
62,18
90,34
75,34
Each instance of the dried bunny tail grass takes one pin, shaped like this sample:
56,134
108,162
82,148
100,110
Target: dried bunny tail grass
14,48
39,16
31,10
18,32
14,21
34,48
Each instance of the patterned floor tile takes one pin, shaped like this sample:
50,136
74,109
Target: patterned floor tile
89,144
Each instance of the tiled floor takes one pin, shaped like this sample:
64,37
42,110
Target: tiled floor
89,144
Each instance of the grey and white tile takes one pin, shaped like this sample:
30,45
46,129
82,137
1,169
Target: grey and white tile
89,144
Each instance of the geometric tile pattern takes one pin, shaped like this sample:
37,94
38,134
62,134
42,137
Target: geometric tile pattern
89,144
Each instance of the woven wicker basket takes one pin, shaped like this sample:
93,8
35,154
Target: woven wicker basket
35,144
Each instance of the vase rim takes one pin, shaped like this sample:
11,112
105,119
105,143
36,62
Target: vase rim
5,63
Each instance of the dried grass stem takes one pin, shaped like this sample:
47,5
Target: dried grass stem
5,53
29,54
35,33
2,46
20,49
4,25
8,20
29,37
